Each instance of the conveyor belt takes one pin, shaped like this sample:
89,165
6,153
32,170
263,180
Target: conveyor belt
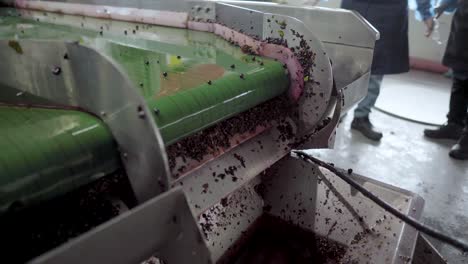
190,79
46,152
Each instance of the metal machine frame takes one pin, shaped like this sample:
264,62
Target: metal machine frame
135,153
371,233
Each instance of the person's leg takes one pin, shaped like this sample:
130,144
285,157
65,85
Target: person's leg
364,107
460,150
456,116
361,120
458,102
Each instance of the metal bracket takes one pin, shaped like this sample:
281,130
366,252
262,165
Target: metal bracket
346,37
69,74
325,137
258,24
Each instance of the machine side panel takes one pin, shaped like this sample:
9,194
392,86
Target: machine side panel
163,227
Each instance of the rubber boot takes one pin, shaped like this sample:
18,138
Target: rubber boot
446,131
363,125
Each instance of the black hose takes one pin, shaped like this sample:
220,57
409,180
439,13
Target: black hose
405,218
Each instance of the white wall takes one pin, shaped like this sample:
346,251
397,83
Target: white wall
420,46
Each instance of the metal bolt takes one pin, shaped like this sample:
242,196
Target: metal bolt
103,113
56,70
209,82
65,56
156,111
165,74
241,76
19,93
125,155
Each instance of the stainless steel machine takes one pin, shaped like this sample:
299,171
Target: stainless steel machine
198,105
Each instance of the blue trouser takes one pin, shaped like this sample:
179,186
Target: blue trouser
364,107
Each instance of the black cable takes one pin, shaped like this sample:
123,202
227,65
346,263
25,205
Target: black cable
405,118
405,218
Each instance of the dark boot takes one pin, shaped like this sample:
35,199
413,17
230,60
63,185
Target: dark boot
460,150
446,131
363,125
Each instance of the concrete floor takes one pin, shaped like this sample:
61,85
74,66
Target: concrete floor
429,92
406,159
